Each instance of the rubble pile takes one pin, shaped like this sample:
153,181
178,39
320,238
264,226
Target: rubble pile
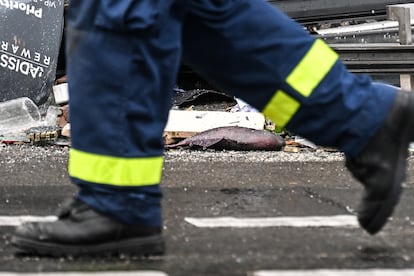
199,120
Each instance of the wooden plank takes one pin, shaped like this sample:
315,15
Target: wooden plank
198,121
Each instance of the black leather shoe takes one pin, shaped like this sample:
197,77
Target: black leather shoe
80,230
381,167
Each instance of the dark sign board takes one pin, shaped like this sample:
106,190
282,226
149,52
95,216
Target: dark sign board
30,37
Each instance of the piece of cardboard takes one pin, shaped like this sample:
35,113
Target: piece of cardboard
197,121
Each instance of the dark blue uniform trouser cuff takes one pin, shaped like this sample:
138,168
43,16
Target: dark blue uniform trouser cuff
140,205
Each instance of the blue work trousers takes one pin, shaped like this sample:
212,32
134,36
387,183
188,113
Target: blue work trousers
123,57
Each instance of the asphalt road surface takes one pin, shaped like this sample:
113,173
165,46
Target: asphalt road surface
288,218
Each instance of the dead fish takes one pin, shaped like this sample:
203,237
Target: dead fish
232,138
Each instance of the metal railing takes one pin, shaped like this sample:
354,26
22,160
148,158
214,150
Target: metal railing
382,58
319,11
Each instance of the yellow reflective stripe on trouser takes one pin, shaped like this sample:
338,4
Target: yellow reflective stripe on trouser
313,68
281,108
306,76
117,171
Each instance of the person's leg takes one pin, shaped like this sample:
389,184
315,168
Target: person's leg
122,58
254,51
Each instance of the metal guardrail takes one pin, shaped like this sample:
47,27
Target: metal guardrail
371,58
383,58
319,11
378,58
404,14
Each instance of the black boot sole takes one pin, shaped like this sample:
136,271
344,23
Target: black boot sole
140,247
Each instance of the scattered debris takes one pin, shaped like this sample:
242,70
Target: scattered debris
232,138
21,122
18,114
210,124
292,149
243,106
43,134
61,80
60,92
63,117
184,98
305,142
14,138
66,130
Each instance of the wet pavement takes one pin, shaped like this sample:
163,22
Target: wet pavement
35,186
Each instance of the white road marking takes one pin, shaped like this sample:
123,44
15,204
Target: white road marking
17,220
345,221
112,273
336,272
